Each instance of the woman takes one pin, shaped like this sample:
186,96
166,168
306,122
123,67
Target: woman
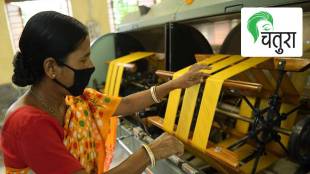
38,134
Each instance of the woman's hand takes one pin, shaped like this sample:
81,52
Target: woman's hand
140,100
165,146
192,77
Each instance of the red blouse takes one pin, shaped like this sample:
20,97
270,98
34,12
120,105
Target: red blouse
31,138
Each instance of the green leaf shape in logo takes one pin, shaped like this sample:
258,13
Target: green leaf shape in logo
257,17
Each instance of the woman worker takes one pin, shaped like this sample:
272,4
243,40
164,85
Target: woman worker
58,126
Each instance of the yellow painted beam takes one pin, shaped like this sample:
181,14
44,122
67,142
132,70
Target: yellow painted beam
113,78
109,77
120,64
245,110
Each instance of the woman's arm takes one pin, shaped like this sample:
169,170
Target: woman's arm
140,100
135,164
162,147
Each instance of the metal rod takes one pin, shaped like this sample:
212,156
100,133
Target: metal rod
124,146
228,107
236,84
248,102
249,120
291,111
260,152
131,67
238,143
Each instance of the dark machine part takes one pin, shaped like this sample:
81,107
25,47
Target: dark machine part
232,43
299,142
182,43
265,120
126,44
138,80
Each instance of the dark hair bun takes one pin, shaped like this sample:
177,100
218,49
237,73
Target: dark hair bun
22,71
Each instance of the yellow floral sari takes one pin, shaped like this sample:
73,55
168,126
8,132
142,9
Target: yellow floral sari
90,132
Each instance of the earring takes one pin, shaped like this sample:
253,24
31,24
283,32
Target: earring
53,76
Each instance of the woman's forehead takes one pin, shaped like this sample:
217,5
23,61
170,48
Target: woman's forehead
83,48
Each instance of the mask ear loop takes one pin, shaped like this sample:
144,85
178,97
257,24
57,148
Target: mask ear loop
61,63
58,82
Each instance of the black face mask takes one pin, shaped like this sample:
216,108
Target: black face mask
81,79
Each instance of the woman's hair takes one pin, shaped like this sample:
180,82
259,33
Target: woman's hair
46,34
253,20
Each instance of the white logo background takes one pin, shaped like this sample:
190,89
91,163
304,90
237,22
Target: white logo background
284,20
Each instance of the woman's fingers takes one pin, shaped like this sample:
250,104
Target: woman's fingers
166,145
199,76
198,67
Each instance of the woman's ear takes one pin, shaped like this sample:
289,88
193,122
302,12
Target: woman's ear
51,68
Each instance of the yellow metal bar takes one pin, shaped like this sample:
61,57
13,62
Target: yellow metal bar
130,58
245,110
174,96
118,80
190,96
113,78
210,97
224,63
112,72
289,122
212,58
109,76
116,69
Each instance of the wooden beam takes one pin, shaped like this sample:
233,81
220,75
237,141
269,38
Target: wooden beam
232,84
292,64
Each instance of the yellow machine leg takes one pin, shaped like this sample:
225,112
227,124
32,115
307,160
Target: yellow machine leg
113,78
109,76
245,110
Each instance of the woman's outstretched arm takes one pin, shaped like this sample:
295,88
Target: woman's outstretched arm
140,100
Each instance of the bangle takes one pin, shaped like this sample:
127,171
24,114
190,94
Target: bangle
154,94
151,154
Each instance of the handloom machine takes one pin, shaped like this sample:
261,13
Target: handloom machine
249,116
